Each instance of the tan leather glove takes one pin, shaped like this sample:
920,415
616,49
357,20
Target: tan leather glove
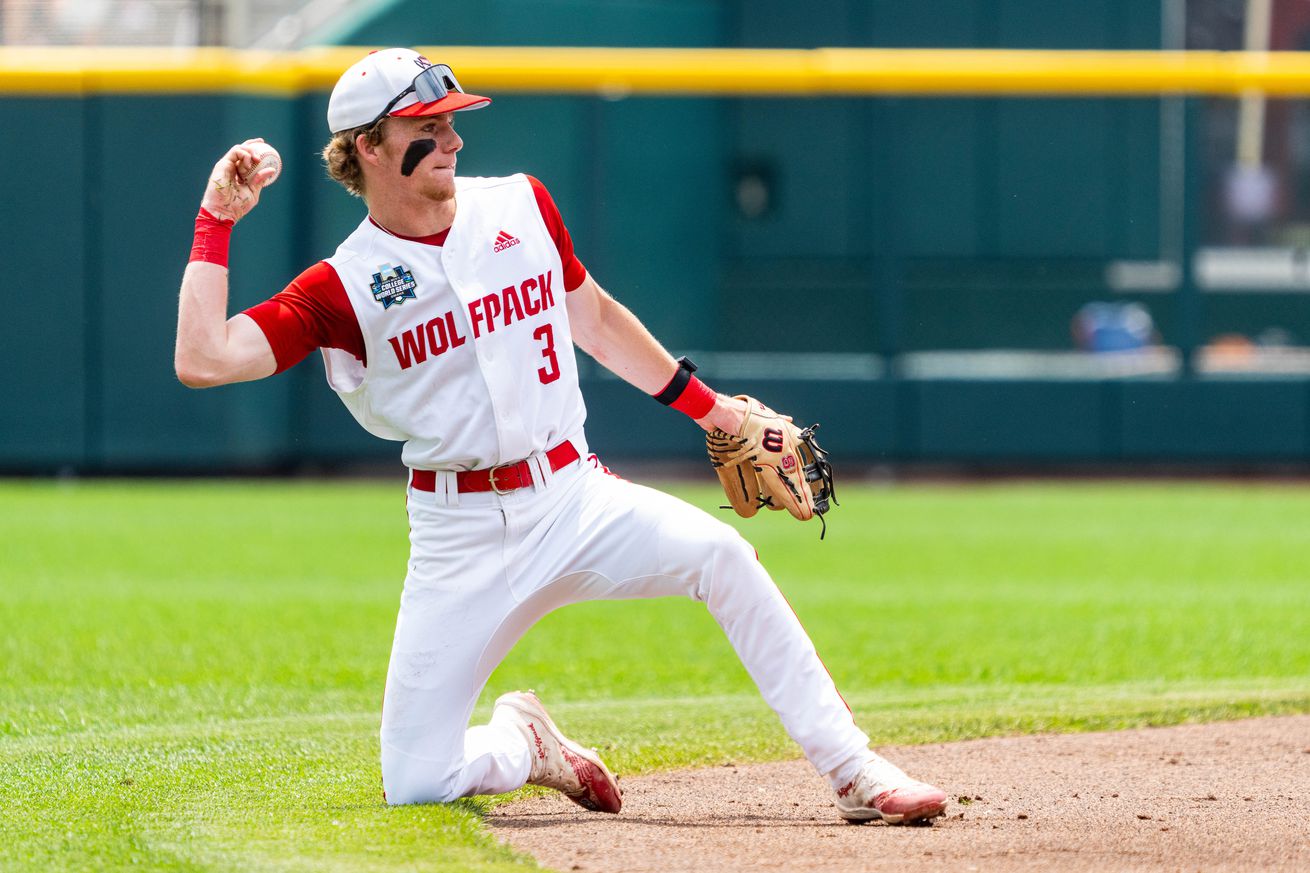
772,463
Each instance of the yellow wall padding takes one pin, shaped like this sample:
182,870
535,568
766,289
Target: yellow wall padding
622,72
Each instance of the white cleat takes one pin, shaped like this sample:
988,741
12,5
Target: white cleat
558,762
902,801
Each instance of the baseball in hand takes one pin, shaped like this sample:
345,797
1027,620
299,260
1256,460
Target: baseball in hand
266,157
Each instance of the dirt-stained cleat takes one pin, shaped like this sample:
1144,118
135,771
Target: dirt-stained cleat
558,762
868,798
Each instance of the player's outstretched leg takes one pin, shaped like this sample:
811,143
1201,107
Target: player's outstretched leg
667,547
557,762
866,785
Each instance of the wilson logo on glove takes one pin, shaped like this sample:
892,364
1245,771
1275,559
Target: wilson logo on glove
772,440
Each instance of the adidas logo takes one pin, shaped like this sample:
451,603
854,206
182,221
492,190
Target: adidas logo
504,241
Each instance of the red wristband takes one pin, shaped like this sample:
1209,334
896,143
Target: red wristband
212,238
696,400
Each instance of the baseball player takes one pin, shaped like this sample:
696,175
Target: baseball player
446,321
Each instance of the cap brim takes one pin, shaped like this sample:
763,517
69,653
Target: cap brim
452,102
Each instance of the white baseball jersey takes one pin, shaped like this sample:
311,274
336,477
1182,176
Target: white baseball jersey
470,356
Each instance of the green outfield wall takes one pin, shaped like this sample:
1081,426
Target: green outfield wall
887,226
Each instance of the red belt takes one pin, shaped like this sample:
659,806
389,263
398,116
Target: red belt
502,479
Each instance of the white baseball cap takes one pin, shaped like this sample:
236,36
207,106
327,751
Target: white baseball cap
395,81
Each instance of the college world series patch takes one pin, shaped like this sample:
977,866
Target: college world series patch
393,285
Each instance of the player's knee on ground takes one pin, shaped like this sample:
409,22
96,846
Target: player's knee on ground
407,780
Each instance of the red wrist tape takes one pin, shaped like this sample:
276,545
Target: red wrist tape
213,236
697,400
688,395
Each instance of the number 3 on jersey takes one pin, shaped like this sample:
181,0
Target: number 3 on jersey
550,372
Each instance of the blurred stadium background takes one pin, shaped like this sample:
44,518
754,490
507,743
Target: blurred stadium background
979,281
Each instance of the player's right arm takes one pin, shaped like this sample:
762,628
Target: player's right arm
213,349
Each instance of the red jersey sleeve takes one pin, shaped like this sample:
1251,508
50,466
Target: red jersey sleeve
312,312
574,272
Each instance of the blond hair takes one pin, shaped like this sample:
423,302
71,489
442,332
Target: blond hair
342,159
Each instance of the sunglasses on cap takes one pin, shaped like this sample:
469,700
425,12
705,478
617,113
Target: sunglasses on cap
430,85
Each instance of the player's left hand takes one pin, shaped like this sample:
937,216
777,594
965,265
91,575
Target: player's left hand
727,415
234,185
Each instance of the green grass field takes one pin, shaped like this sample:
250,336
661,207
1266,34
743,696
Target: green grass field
190,673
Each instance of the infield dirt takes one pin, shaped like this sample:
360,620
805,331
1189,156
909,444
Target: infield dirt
1222,796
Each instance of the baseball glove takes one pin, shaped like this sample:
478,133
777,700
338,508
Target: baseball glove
772,463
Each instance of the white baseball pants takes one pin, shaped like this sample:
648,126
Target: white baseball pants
484,568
